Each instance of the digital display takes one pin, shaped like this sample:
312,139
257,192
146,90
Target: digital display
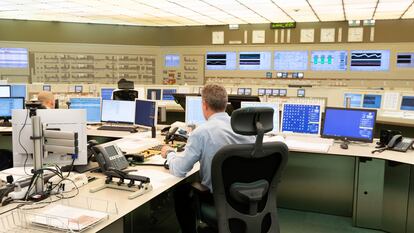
405,60
193,110
282,92
275,107
146,113
78,89
14,58
106,93
372,101
248,91
172,60
351,124
254,60
240,91
301,93
370,60
329,60
156,93
407,103
18,90
91,105
291,60
275,92
268,91
261,91
5,91
47,88
356,100
8,104
167,94
118,111
221,61
301,118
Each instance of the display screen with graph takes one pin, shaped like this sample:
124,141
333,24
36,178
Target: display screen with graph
329,60
370,60
221,61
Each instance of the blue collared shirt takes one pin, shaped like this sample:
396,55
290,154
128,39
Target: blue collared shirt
203,144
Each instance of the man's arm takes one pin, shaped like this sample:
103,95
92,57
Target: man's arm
180,165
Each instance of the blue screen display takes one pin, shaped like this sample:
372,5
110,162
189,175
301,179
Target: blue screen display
372,101
157,94
356,100
145,113
354,124
193,110
167,94
172,60
91,105
8,104
407,103
301,118
18,90
106,93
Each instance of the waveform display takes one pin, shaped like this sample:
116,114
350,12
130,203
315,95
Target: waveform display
366,59
405,59
221,61
370,60
254,60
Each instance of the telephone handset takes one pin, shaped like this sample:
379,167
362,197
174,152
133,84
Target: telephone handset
110,157
176,134
400,143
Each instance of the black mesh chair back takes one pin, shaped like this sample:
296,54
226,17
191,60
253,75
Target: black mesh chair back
125,94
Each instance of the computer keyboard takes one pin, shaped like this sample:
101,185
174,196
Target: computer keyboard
118,128
157,147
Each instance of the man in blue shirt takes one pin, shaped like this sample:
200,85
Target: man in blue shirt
202,145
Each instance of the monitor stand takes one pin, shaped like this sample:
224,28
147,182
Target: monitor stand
5,123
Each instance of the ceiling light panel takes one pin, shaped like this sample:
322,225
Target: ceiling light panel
267,9
410,13
331,10
391,9
299,10
359,10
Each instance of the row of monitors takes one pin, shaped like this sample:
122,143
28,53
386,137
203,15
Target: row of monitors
351,124
152,94
76,88
14,90
323,60
269,92
375,101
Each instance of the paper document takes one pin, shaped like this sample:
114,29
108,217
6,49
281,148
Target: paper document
131,145
67,218
390,100
156,159
158,178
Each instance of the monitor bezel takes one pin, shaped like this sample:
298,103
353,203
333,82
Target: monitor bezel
154,89
117,122
349,138
9,117
155,116
401,102
295,133
100,107
6,85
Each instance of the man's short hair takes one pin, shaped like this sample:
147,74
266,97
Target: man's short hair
44,96
215,97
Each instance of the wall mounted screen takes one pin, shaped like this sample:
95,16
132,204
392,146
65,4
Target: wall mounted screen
372,101
405,60
329,60
172,60
13,58
370,60
221,61
291,60
254,60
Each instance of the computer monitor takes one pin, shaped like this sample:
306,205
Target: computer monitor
5,91
194,112
268,92
167,94
282,92
372,101
118,111
301,93
92,106
275,107
106,93
18,90
247,91
349,124
78,89
241,91
356,100
146,113
275,92
47,88
7,104
156,93
301,118
407,103
261,91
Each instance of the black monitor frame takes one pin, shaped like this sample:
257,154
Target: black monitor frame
116,122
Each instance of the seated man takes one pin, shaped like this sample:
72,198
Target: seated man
202,145
47,98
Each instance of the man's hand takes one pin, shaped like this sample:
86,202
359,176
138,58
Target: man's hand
164,151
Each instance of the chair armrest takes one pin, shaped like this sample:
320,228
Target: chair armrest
197,186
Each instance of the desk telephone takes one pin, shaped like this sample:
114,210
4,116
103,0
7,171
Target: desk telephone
393,140
110,157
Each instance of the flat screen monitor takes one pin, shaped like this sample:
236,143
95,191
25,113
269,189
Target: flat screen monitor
167,94
349,124
172,60
18,90
146,113
78,89
47,88
14,58
118,111
275,92
405,60
356,100
241,91
301,118
268,92
301,93
407,103
106,93
193,110
248,91
153,94
255,60
275,107
92,106
370,60
7,104
221,60
5,91
372,101
261,91
291,60
329,60
282,92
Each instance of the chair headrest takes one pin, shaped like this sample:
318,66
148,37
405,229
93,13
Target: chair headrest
243,120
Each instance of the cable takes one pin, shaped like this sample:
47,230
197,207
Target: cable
20,142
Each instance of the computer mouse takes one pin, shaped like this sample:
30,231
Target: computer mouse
344,146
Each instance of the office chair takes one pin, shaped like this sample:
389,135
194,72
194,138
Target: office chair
6,159
245,178
125,94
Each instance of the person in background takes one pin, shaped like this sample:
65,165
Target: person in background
47,99
202,145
